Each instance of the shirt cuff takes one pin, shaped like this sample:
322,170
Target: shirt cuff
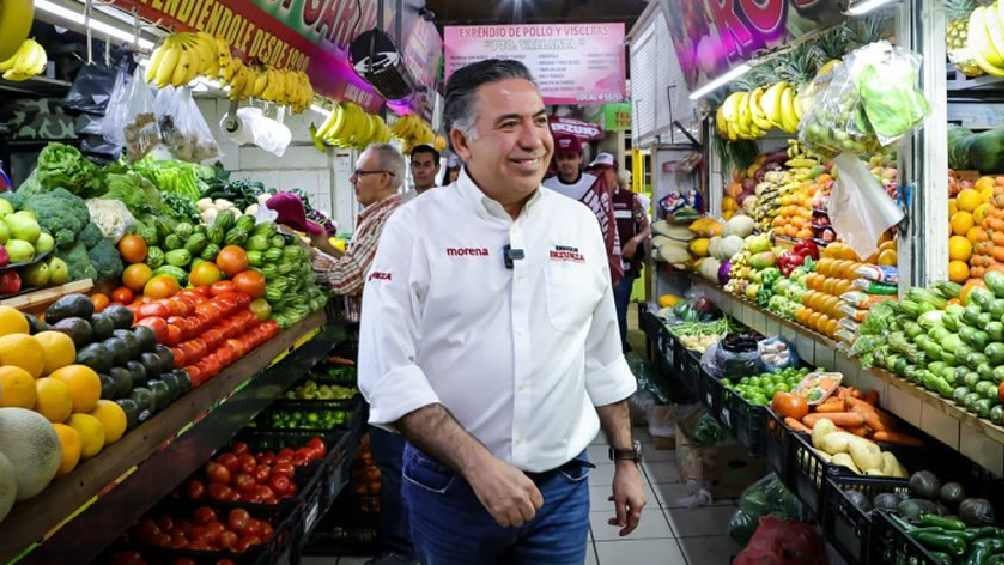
612,383
398,393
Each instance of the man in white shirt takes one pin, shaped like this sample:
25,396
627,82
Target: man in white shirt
489,340
424,166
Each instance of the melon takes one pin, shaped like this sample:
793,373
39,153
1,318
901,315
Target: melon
8,486
32,446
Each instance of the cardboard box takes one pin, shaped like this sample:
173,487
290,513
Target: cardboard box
726,468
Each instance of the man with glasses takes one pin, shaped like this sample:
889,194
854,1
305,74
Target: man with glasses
379,175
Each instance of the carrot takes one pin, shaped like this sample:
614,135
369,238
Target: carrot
831,405
841,419
872,397
897,438
796,426
862,431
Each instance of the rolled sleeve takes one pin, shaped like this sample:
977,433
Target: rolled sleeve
389,376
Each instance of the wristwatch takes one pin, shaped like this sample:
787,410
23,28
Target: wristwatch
633,454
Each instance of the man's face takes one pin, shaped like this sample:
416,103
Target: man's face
569,165
511,146
372,182
423,169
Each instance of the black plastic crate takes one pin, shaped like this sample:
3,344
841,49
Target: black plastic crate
891,544
690,368
712,393
746,421
346,529
808,473
779,446
350,409
848,528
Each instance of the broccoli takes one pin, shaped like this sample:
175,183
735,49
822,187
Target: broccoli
91,235
60,213
78,262
106,260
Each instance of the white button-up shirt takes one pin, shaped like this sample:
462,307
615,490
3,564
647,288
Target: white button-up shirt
520,356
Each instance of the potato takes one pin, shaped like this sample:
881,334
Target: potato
837,442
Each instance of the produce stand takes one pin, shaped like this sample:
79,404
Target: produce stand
88,510
38,300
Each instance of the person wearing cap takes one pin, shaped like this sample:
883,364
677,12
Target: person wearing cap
634,231
424,166
595,191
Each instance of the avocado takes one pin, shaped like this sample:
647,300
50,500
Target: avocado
143,397
151,362
166,358
123,379
184,382
74,305
118,348
97,357
173,384
145,338
36,325
102,326
132,344
161,394
145,415
138,372
121,315
78,329
131,410
108,388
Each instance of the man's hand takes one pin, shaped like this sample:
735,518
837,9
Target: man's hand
630,249
629,496
509,495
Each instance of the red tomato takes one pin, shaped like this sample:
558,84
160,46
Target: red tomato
220,491
180,306
242,544
209,311
301,459
218,473
238,519
267,458
248,463
195,489
264,491
180,357
203,291
179,541
254,527
317,443
198,347
213,531
213,337
244,482
154,310
165,523
222,287
122,295
237,346
225,562
229,460
194,375
280,485
204,515
228,540
158,325
174,335
287,452
129,558
262,473
147,530
266,530
253,540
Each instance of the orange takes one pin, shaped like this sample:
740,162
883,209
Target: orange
968,199
958,271
962,222
69,448
12,321
161,286
84,385
53,399
92,434
57,350
112,418
136,276
23,351
17,388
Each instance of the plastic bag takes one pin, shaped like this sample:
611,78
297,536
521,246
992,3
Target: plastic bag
117,112
859,208
768,496
836,121
886,77
777,353
879,273
256,128
783,542
142,134
876,288
737,356
91,90
185,132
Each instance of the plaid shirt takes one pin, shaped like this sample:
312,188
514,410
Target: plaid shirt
346,275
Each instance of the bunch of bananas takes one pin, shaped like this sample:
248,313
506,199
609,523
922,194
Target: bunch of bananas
29,60
15,25
182,57
350,126
985,40
414,131
749,115
280,87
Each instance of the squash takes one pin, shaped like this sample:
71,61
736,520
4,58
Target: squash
740,225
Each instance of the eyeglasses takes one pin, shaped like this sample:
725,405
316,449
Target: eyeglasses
358,173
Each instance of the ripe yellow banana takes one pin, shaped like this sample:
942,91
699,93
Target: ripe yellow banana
15,25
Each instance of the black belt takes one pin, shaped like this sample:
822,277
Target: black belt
573,465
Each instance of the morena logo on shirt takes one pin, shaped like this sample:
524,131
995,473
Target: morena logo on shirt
566,253
466,252
380,276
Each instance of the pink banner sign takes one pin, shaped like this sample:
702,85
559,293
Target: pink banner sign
585,131
572,63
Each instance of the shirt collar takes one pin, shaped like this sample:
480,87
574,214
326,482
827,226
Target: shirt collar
388,202
482,204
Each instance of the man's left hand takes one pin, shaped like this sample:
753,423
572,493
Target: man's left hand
630,249
629,496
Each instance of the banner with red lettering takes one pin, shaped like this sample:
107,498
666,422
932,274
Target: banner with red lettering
712,36
302,35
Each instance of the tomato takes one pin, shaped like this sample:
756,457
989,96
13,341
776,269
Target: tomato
287,453
179,541
254,527
225,562
147,530
210,311
238,519
204,274
159,327
266,530
242,545
174,335
128,558
122,295
219,491
247,462
264,491
267,458
273,328
317,443
229,460
198,347
223,287
165,523
154,309
184,561
280,485
244,482
228,540
194,375
100,301
217,473
132,248
232,259
213,337
301,459
195,489
204,515
161,286
253,541
227,303
262,473
237,346
213,531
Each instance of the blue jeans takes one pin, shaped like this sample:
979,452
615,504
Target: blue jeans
449,526
388,449
622,297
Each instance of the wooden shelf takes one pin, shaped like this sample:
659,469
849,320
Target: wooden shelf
974,437
41,299
79,515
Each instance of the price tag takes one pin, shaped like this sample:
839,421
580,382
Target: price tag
726,417
311,517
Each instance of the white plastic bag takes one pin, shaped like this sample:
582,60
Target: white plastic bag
255,128
859,209
142,133
182,127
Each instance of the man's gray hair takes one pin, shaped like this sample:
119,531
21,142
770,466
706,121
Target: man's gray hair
390,160
460,111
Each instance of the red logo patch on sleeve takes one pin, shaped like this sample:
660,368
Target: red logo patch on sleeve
380,276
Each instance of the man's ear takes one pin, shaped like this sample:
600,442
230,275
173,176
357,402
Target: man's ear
461,144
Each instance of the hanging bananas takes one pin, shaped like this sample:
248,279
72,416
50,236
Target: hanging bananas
414,131
182,57
749,115
350,126
29,60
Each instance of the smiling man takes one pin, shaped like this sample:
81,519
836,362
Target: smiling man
424,166
489,340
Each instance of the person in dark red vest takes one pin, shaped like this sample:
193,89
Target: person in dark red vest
633,231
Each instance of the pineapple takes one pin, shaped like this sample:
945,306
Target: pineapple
957,12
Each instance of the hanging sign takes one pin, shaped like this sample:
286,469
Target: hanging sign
299,35
572,63
712,36
617,117
583,130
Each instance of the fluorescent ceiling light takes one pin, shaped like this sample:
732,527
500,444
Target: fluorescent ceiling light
98,26
720,81
864,6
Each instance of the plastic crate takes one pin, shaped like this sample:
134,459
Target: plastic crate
808,473
746,421
345,530
890,544
689,363
350,408
848,528
712,393
779,446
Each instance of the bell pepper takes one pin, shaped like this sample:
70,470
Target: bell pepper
807,248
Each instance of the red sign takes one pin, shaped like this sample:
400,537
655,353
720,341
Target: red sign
585,131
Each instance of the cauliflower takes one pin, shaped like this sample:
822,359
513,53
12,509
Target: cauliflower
111,216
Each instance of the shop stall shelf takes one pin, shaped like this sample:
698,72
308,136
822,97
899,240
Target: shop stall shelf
848,528
84,512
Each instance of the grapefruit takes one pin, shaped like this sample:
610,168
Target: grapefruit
32,446
22,351
112,418
69,448
17,388
84,385
53,399
57,350
12,321
92,434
